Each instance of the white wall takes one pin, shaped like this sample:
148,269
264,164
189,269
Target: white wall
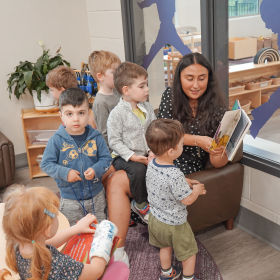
188,13
261,194
23,23
105,26
247,26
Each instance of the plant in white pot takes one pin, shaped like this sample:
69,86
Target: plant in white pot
30,77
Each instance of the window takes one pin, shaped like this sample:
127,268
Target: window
239,8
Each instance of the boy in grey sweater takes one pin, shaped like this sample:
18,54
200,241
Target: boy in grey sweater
126,128
102,65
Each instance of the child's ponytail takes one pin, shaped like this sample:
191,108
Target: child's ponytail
41,258
11,255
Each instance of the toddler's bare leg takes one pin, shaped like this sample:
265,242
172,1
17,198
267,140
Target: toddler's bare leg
189,265
165,255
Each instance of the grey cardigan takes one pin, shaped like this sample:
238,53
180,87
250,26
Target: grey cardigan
126,133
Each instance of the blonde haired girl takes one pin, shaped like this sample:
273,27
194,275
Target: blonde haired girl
30,224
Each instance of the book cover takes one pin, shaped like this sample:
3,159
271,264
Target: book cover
231,131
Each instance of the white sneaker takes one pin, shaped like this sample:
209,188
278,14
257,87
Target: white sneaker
120,255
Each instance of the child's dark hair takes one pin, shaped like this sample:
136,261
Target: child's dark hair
164,134
72,96
126,73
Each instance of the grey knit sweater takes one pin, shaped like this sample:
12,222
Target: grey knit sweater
126,133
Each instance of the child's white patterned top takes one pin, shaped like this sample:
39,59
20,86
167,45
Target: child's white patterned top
167,186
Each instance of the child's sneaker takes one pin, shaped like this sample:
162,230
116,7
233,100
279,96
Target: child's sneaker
142,213
175,274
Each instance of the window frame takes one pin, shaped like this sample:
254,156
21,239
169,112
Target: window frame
214,33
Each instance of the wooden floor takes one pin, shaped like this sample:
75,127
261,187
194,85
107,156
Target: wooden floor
238,254
241,256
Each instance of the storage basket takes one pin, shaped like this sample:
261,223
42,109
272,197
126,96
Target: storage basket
276,81
259,83
245,105
265,97
236,89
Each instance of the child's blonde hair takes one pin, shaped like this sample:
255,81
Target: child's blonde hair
126,74
62,77
24,221
100,61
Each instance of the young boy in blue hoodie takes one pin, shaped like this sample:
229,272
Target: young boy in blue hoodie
77,157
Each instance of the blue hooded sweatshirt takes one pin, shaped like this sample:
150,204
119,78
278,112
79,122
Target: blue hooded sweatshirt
62,154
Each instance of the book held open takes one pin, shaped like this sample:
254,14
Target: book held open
231,131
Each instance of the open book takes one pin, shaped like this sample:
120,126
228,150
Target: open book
78,247
231,131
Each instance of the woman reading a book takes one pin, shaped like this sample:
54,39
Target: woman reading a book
195,100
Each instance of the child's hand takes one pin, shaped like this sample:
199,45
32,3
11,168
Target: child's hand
192,182
151,156
89,173
83,224
141,159
199,188
73,176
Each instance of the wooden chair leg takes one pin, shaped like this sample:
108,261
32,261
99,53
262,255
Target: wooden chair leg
229,224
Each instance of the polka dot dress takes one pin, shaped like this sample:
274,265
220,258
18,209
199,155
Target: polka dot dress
63,267
193,158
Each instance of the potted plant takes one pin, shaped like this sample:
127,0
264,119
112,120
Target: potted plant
30,77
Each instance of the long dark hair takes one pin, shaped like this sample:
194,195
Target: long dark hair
208,104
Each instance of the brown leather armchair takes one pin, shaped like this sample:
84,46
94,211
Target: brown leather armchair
222,201
7,161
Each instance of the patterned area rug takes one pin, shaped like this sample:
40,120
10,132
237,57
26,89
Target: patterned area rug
144,259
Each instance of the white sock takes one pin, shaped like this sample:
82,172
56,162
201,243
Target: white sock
191,277
166,272
120,255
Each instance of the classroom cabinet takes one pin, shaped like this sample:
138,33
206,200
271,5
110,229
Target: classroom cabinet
38,127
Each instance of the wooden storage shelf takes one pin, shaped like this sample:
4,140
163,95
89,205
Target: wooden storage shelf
34,120
35,146
251,71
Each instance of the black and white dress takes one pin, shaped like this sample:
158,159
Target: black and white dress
193,158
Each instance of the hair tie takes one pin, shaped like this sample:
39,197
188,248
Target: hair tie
33,241
49,213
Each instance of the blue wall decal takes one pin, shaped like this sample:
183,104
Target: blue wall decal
270,11
167,32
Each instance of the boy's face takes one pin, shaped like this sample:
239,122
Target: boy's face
56,92
137,92
75,119
107,79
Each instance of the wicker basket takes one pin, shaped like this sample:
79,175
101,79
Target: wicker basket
276,81
236,89
245,105
260,83
265,97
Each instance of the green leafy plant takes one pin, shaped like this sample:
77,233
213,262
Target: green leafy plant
29,76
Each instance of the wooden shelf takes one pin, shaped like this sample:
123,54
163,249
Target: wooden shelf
251,71
35,146
34,120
